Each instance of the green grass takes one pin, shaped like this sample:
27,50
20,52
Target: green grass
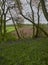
10,28
24,52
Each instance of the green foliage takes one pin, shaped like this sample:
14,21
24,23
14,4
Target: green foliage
24,52
8,37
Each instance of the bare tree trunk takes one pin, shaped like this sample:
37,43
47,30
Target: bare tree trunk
32,21
1,25
32,17
35,25
4,24
14,25
44,9
3,17
37,32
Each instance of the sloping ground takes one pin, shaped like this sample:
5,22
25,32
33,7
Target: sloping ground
24,52
27,31
24,31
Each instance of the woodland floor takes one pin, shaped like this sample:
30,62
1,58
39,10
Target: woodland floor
24,52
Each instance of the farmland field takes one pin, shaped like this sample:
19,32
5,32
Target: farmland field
25,29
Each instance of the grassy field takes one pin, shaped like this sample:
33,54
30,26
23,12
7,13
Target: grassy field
10,28
24,52
26,30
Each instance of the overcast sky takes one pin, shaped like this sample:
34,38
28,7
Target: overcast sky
26,8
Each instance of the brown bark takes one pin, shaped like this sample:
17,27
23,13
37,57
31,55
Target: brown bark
31,20
35,25
37,32
44,9
14,24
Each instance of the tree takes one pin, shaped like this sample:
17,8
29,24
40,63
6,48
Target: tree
44,9
14,24
12,18
31,20
37,32
32,13
6,7
3,16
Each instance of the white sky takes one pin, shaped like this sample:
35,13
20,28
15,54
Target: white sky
27,9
